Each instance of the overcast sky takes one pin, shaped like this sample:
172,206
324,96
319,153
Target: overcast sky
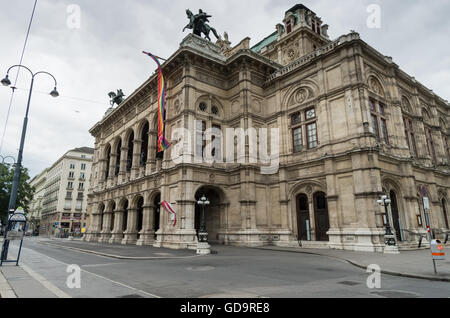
105,53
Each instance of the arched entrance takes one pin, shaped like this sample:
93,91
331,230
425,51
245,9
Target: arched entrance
444,212
212,213
395,215
125,216
321,216
140,214
303,217
156,212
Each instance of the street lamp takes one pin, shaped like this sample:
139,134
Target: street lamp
203,235
4,159
17,171
389,237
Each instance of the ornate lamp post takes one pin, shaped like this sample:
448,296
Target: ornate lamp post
203,246
389,236
4,159
17,171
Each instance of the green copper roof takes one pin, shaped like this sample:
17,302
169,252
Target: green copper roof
271,38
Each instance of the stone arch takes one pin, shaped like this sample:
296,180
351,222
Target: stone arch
215,212
376,85
141,126
107,147
210,102
134,200
426,115
302,186
298,215
311,88
218,189
442,124
397,213
406,105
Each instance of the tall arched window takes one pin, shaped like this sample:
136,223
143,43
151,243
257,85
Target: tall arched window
144,147
429,135
443,127
108,159
130,152
378,118
444,212
118,151
408,125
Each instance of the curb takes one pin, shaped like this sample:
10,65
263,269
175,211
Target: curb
6,290
118,256
354,263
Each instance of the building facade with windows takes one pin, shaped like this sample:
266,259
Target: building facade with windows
352,126
65,193
36,206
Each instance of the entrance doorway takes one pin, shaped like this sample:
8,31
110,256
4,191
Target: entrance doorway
212,213
395,215
444,212
321,216
303,217
156,213
125,216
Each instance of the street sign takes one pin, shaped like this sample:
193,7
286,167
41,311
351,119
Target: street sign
437,250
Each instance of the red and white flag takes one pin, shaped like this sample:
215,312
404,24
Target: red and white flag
169,208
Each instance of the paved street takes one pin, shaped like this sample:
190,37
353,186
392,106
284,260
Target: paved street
232,272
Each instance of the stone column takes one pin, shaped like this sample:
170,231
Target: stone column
94,232
123,164
136,158
117,233
130,235
105,234
147,234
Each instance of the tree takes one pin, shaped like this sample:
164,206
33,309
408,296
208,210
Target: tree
24,195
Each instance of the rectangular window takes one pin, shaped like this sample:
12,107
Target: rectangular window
71,173
375,126
310,114
72,166
288,27
413,141
216,141
70,185
83,166
82,175
384,131
81,186
200,141
311,131
297,139
295,119
372,105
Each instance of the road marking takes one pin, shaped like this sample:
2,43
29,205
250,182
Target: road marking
102,277
100,265
52,288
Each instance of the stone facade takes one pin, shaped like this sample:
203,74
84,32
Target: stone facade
352,126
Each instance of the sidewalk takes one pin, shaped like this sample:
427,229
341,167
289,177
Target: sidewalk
414,264
118,251
21,282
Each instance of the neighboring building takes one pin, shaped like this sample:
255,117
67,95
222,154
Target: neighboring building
36,206
65,197
352,126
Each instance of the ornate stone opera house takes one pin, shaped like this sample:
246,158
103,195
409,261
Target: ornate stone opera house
352,126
